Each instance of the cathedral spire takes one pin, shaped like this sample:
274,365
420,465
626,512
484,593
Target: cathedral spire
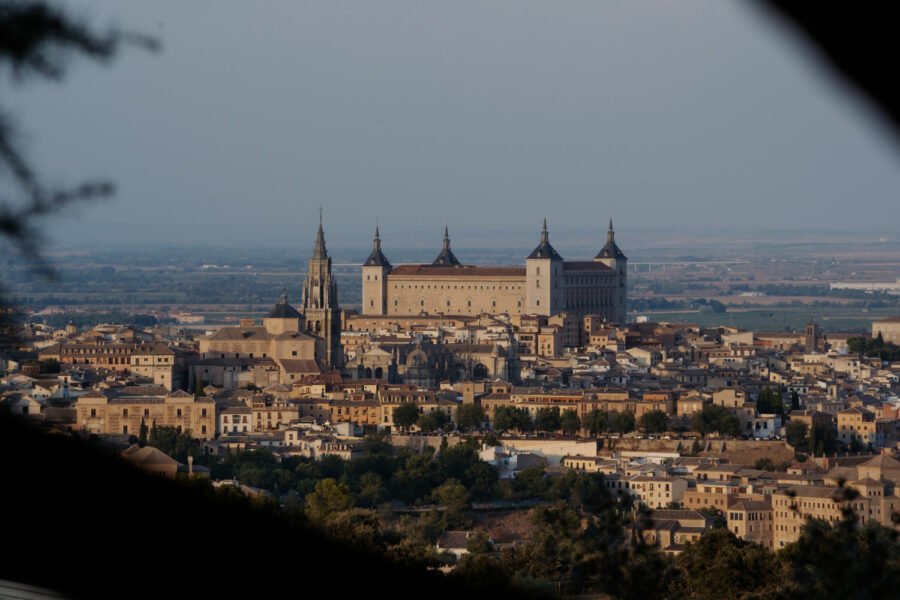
611,234
321,310
446,238
319,252
545,235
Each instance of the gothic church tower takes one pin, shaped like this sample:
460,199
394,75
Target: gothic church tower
320,304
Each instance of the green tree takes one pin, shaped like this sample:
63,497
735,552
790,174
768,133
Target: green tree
719,565
469,417
764,464
770,401
432,421
547,419
490,439
530,483
590,551
487,575
406,415
655,421
453,495
509,417
822,439
717,516
377,444
569,422
50,365
715,418
371,490
596,421
455,498
795,400
480,543
142,435
846,559
357,527
174,442
621,422
857,345
328,498
796,432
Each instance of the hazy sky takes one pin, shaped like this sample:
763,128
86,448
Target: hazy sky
485,115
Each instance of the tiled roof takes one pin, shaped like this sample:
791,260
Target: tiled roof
882,461
240,334
458,271
584,265
300,366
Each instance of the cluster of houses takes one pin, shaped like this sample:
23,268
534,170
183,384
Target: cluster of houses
119,381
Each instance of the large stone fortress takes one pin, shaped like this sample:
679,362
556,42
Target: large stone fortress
546,285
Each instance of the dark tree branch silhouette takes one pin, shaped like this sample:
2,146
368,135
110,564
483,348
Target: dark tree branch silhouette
38,40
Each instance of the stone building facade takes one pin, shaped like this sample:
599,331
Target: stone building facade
546,285
889,328
102,413
153,361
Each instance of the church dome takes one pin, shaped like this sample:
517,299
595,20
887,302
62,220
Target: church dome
283,310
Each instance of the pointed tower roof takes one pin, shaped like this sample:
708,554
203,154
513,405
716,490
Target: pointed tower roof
544,249
319,252
446,257
283,310
611,250
377,257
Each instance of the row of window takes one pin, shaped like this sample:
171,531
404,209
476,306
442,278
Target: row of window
178,412
202,429
458,287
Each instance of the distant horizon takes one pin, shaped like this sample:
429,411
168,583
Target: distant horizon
487,116
506,239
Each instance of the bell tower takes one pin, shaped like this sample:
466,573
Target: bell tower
320,304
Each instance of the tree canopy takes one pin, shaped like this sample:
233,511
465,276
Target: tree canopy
716,419
469,417
655,421
406,415
770,400
510,418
